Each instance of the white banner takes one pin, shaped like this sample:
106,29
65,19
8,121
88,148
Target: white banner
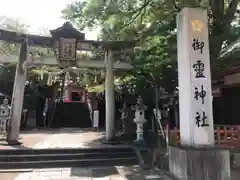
95,118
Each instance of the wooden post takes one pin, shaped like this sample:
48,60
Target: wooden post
225,133
176,134
232,136
238,132
18,96
218,135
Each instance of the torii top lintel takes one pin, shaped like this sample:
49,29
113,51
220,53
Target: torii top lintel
65,31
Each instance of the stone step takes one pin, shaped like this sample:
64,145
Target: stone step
66,150
70,163
46,158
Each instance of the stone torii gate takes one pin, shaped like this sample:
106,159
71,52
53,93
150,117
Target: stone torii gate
65,41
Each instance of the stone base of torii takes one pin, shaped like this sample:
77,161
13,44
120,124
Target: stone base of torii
196,158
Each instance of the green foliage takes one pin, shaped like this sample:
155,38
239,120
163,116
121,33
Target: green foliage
7,71
11,25
152,23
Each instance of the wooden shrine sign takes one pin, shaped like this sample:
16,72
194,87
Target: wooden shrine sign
67,52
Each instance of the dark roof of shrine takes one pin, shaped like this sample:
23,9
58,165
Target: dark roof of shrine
67,31
231,48
228,65
228,62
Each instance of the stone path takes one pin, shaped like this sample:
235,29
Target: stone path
28,140
72,138
68,139
51,138
54,138
106,173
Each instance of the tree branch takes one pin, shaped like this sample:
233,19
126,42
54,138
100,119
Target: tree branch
217,7
178,9
137,13
232,8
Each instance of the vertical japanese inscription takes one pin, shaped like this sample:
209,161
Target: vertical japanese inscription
201,119
199,92
199,69
198,45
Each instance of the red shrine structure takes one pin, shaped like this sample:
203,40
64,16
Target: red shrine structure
74,94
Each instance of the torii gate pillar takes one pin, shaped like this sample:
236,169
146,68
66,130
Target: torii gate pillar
196,158
18,96
109,98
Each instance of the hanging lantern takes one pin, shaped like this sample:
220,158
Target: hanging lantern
41,74
67,77
56,78
49,82
78,77
95,80
86,79
102,74
53,79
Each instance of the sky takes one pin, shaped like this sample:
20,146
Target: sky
38,14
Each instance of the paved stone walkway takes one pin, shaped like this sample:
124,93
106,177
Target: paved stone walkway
68,139
28,140
54,138
106,173
72,138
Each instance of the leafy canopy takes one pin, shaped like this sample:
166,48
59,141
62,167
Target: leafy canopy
152,23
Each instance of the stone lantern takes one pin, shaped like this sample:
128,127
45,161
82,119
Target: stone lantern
5,115
140,120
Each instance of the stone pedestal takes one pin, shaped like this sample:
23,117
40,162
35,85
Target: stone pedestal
140,121
199,163
129,127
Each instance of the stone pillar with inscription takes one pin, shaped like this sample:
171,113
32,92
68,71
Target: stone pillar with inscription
196,158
